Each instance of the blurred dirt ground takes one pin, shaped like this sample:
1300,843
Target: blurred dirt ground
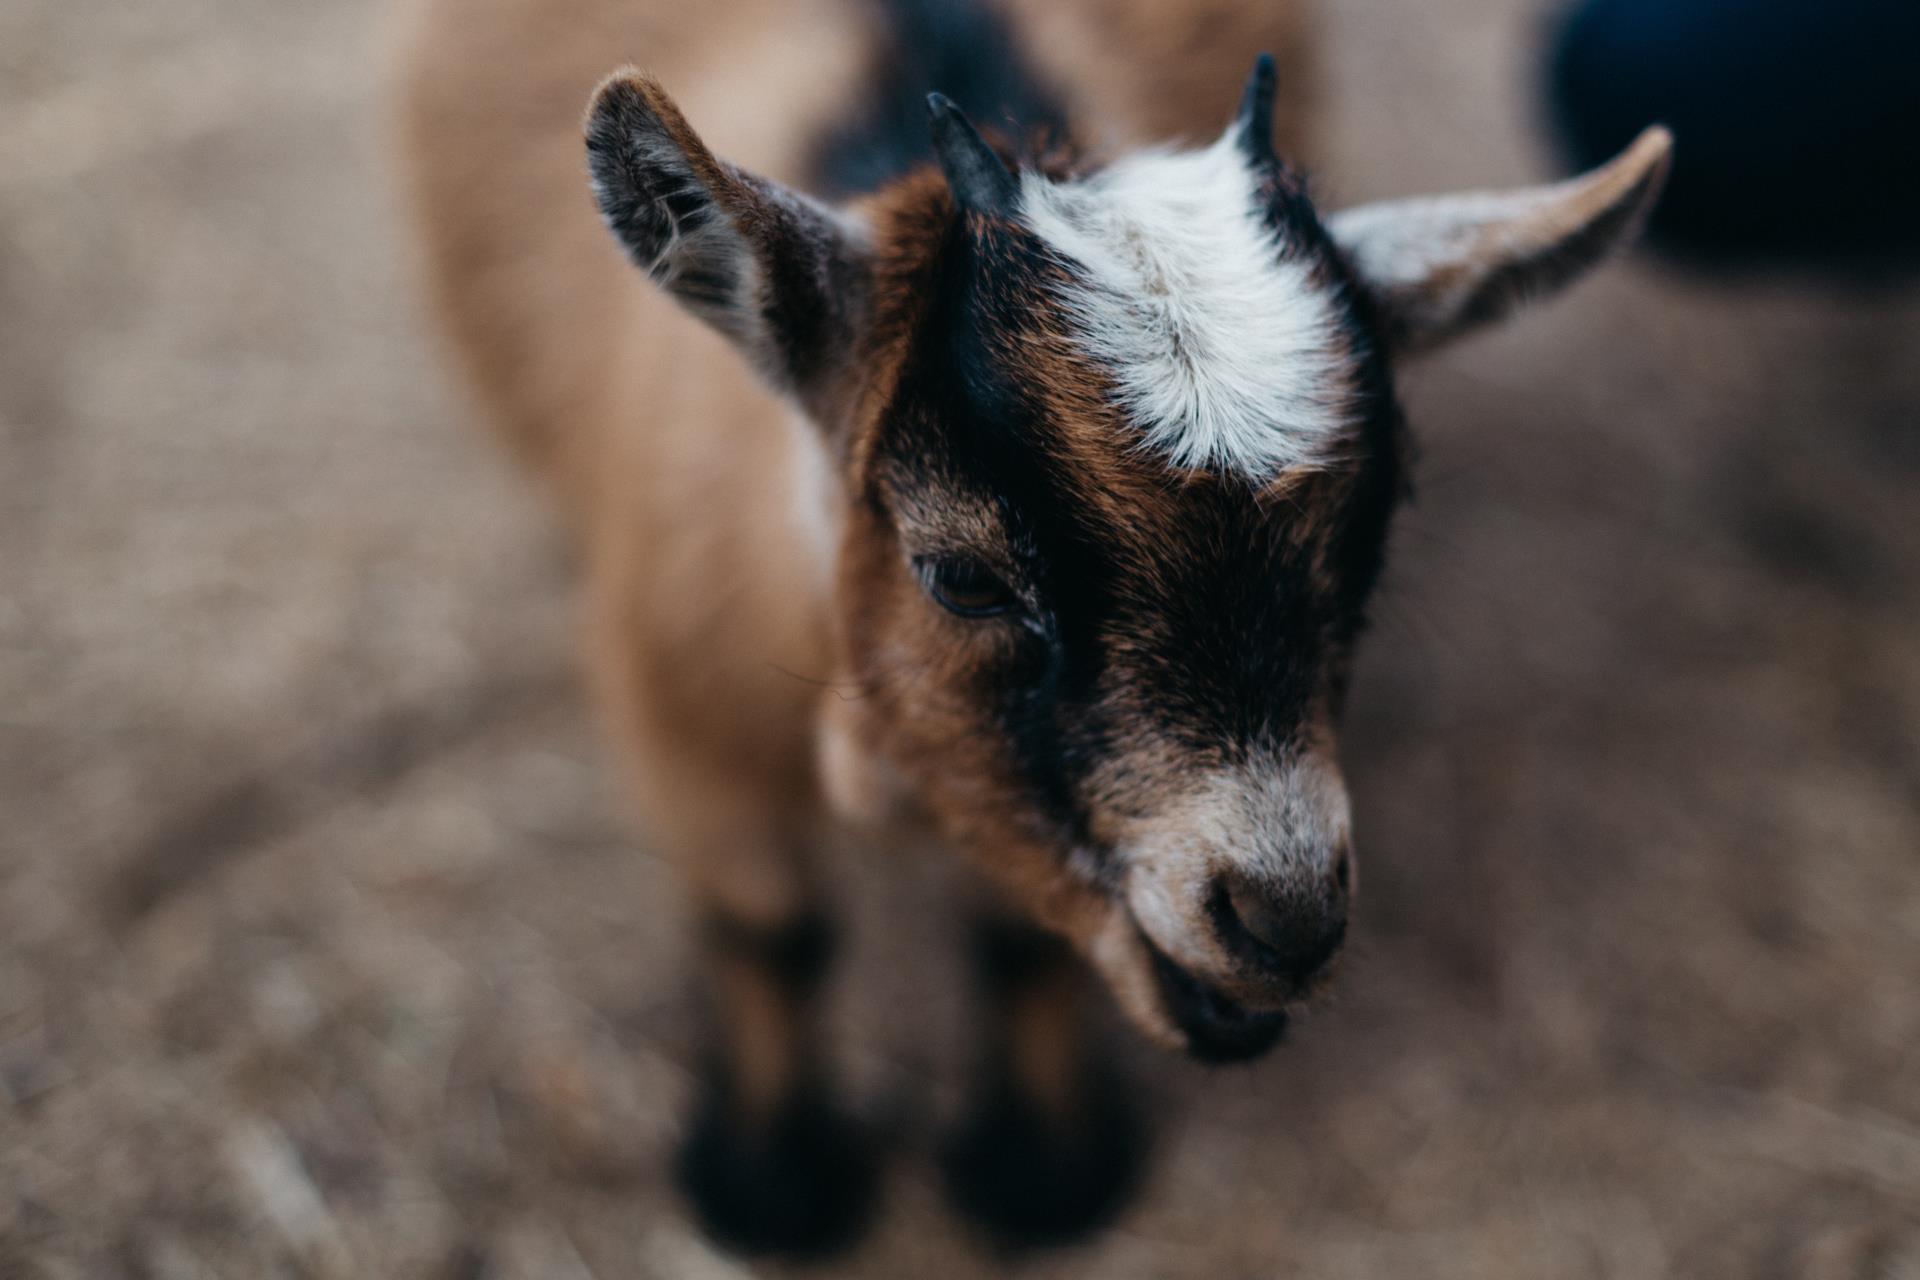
323,951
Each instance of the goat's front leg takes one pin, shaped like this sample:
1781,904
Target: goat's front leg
771,1163
1048,1149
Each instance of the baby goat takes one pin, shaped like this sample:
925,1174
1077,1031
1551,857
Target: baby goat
1062,483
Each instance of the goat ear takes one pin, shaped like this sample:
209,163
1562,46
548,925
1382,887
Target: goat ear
1438,267
781,275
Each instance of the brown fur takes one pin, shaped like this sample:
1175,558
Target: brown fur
760,633
577,358
705,638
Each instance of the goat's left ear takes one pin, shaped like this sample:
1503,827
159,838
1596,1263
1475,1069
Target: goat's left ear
781,275
1440,266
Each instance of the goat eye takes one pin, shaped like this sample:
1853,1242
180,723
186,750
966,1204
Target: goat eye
965,587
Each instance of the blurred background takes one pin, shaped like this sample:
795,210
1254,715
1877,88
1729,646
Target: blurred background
324,950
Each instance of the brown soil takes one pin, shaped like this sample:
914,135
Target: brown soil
323,951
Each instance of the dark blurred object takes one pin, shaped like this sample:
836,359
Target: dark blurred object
960,48
1797,122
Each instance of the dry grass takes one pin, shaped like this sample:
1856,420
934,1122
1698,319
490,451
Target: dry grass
322,951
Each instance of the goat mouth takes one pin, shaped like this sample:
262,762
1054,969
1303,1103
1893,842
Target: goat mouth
1218,1029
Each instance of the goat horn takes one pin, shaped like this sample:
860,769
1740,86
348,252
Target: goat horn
979,179
1253,126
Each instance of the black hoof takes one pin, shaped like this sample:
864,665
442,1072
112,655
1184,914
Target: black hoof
1030,1181
800,1187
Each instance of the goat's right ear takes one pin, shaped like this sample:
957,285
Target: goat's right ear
1440,266
782,276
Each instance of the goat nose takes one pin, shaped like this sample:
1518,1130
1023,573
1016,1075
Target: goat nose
1290,935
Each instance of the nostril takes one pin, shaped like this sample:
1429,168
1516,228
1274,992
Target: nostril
1260,916
1343,871
1293,938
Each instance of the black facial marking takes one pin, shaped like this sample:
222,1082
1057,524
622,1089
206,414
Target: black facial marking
1214,617
962,424
1229,638
1383,479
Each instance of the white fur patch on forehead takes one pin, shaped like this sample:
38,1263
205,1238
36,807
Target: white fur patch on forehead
1225,351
